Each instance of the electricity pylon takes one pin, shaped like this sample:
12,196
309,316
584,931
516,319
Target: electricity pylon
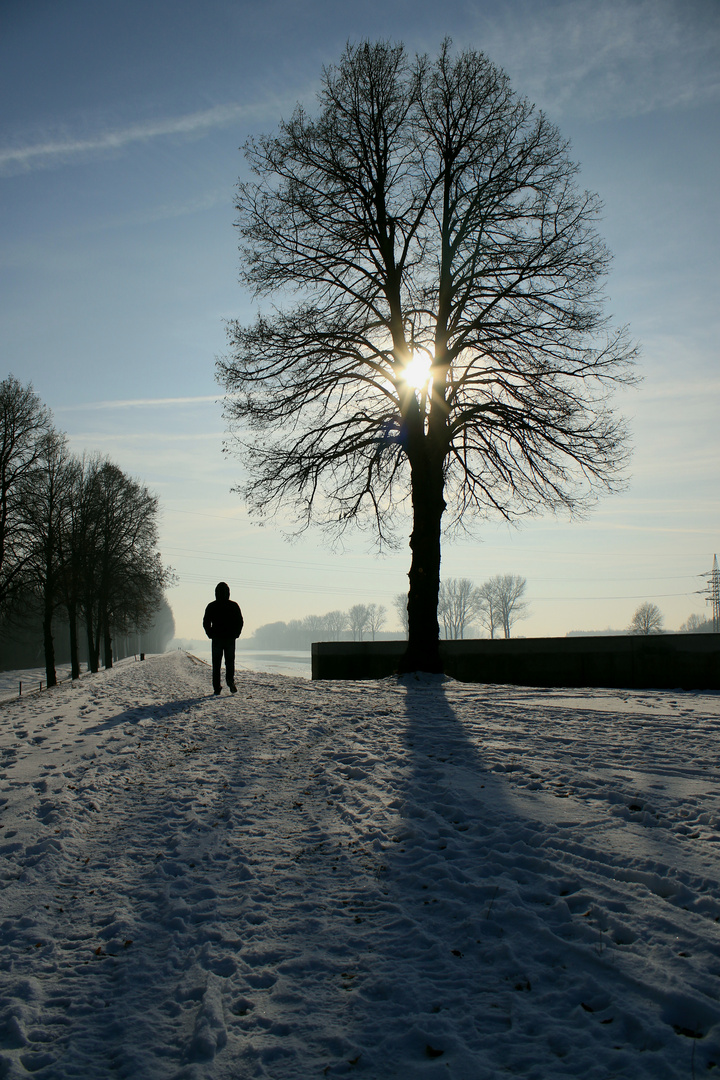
714,590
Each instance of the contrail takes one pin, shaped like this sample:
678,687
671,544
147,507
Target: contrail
131,403
45,153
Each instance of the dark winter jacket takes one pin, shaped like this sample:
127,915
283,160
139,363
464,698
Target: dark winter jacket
223,619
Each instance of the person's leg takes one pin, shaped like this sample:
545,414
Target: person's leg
230,664
217,655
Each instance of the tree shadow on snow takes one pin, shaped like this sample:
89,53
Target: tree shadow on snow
440,999
153,713
493,957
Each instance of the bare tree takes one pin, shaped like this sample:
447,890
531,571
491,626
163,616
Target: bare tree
648,619
314,625
45,514
458,605
25,423
696,624
76,553
400,604
358,617
377,617
443,610
123,575
488,611
448,347
335,623
509,592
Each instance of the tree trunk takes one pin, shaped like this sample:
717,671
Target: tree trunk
427,485
74,652
50,675
107,644
92,643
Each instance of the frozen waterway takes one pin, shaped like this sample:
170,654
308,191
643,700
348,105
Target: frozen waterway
271,662
396,879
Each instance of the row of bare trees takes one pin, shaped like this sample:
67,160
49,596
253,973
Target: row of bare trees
495,605
77,536
366,619
359,620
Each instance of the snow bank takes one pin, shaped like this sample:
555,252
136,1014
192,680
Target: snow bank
397,879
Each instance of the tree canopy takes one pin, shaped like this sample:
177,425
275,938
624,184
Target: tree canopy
438,336
25,425
647,619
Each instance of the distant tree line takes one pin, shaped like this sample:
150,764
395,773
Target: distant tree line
494,606
696,624
78,538
360,620
464,609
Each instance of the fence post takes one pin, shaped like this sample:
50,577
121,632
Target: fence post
20,690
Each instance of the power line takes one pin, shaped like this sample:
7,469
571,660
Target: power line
345,568
214,556
329,590
276,586
638,596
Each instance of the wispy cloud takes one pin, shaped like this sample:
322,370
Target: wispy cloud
51,152
104,438
615,58
133,403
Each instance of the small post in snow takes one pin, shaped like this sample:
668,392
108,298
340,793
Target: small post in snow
20,690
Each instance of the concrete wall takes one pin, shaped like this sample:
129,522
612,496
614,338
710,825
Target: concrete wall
663,661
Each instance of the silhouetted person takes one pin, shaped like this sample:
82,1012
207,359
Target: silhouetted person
222,623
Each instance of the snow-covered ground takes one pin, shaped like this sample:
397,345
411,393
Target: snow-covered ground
396,879
29,680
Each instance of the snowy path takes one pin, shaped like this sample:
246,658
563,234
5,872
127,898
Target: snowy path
396,879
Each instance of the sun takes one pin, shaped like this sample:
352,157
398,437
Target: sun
417,371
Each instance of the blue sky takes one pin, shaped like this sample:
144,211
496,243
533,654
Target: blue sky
119,138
